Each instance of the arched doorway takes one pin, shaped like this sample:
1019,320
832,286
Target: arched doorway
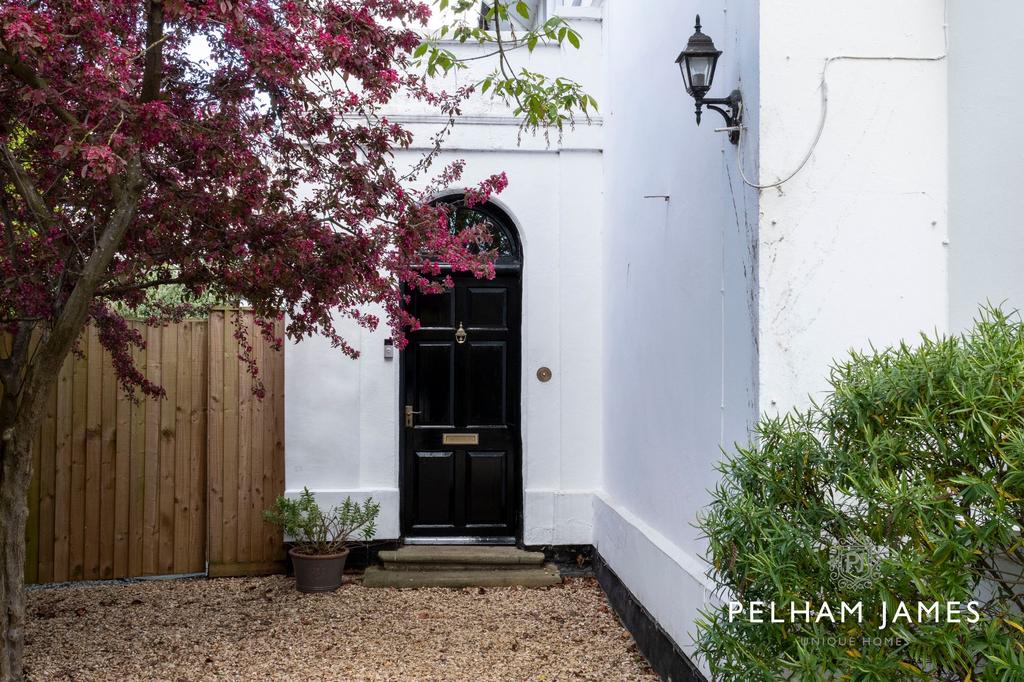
460,470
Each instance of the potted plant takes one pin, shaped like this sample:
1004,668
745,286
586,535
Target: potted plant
319,538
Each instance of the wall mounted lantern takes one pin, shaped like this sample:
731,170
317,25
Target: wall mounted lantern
697,64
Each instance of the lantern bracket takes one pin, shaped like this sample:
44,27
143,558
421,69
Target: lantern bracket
733,116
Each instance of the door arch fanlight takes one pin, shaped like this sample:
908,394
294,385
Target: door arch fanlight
504,236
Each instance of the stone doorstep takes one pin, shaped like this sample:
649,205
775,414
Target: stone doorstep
541,576
442,566
463,556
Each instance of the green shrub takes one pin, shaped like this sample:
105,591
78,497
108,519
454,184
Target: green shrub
174,301
314,531
913,462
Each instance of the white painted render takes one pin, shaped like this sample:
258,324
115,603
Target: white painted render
680,355
986,150
852,248
907,216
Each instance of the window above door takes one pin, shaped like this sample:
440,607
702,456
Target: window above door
504,238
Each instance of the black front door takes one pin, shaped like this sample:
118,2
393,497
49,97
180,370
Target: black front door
460,473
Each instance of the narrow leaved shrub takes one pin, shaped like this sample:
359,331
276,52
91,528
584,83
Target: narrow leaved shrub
913,466
317,531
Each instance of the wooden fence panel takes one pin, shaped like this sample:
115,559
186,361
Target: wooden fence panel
137,474
245,449
154,487
197,532
62,477
95,447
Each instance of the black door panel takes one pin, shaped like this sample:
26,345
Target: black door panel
486,363
486,308
435,376
485,473
435,312
435,474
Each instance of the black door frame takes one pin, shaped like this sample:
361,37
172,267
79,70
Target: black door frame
516,381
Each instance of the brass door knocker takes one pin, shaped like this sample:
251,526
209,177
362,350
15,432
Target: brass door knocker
460,334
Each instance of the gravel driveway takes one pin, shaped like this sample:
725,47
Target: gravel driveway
260,628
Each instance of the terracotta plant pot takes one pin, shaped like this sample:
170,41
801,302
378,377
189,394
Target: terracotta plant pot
318,572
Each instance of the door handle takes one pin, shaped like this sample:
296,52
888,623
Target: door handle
408,415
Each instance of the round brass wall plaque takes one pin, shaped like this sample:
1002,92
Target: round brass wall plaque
544,374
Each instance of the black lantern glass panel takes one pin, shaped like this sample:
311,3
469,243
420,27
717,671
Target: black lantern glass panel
700,71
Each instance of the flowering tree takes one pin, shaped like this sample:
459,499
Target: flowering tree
263,173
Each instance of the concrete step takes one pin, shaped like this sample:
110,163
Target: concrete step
460,557
440,566
538,576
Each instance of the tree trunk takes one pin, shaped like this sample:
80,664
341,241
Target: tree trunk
15,476
27,383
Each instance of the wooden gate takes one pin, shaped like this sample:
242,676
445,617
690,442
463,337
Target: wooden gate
123,489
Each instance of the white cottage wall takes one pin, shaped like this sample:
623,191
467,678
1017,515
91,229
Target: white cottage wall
853,247
986,157
680,289
342,415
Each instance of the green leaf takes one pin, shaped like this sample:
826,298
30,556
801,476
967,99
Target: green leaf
421,50
943,552
574,39
523,9
531,42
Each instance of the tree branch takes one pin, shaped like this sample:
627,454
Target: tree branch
26,75
8,225
125,288
9,366
26,188
153,69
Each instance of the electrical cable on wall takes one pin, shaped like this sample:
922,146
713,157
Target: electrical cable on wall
824,104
